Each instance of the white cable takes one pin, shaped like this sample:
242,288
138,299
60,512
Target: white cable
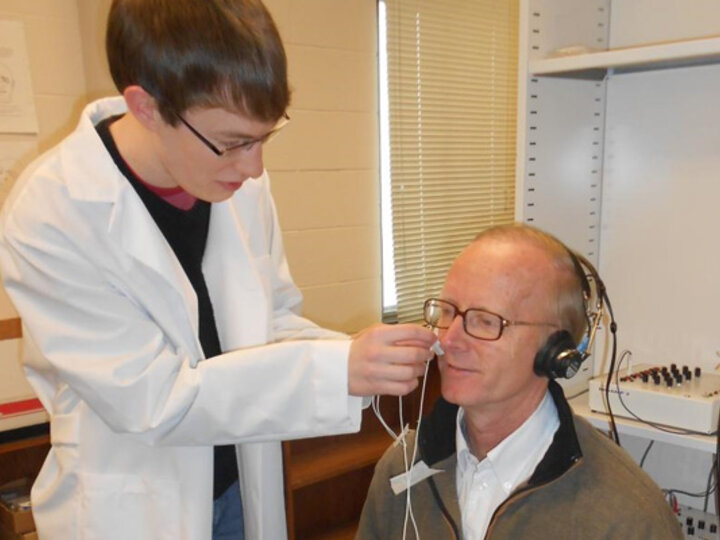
399,438
407,493
408,499
375,401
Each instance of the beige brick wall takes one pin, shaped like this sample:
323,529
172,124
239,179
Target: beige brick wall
324,167
54,50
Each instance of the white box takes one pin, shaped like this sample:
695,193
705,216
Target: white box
691,405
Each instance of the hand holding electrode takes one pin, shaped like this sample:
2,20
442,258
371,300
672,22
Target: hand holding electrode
388,359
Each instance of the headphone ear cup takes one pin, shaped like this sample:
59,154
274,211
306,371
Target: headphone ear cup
558,357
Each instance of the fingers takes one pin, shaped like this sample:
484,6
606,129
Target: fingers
388,359
396,372
399,337
406,354
397,344
412,334
388,379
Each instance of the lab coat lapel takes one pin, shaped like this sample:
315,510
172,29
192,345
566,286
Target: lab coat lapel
231,272
93,177
137,234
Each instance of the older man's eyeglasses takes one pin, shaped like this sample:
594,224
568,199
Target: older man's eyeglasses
477,323
245,145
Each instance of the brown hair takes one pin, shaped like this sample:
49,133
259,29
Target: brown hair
208,53
571,303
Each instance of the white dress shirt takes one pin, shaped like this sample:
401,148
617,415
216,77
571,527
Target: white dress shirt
483,485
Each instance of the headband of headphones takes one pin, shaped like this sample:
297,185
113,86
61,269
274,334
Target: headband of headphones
560,356
590,279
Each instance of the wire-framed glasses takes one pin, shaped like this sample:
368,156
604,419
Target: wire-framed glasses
245,145
477,323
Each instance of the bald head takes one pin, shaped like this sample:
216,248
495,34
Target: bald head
550,270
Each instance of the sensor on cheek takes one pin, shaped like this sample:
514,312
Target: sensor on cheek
436,347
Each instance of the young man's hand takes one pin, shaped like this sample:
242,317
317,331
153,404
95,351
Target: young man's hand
388,359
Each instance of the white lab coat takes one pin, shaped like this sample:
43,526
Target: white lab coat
113,353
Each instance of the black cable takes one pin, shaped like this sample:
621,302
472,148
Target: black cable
613,331
580,393
716,457
645,454
686,493
710,488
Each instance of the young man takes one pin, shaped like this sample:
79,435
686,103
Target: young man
145,259
509,459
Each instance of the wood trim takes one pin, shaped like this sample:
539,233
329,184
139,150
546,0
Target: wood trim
289,498
10,328
24,444
335,457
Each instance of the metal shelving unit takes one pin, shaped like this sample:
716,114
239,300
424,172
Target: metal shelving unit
617,156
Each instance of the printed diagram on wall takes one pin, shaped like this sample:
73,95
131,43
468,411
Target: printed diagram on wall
14,156
17,106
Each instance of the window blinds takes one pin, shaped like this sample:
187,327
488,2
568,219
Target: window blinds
451,85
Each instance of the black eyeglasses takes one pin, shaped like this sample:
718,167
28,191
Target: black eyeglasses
477,323
245,145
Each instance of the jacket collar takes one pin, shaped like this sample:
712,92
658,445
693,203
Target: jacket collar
565,449
437,432
437,438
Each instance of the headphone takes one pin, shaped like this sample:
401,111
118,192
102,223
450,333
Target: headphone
560,356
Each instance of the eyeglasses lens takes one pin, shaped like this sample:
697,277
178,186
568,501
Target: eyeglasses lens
478,323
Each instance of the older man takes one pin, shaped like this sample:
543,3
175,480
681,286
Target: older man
506,456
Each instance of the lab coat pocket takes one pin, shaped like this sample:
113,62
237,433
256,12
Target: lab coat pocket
123,506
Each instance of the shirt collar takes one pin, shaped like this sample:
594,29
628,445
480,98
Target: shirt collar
515,458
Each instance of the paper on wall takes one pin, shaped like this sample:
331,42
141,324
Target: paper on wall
14,156
17,105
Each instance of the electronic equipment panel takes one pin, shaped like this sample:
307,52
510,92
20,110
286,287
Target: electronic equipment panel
675,396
